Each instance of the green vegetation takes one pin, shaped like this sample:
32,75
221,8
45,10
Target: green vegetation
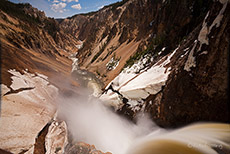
159,40
83,14
17,11
153,48
116,5
8,21
136,57
110,51
89,13
101,49
113,62
89,54
98,73
51,26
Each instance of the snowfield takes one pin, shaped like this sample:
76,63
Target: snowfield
138,86
26,106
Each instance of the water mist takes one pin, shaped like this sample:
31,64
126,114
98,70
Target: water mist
90,121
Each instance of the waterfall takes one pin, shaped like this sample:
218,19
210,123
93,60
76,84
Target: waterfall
89,120
92,122
200,138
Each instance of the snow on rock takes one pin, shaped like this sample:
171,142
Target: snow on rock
112,98
163,49
203,35
56,138
25,113
75,64
130,73
186,52
139,86
204,53
223,1
219,17
191,59
143,83
79,46
19,80
40,88
112,64
139,65
121,79
4,89
205,30
42,76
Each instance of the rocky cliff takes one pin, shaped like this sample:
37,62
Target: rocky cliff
179,47
125,31
183,85
31,40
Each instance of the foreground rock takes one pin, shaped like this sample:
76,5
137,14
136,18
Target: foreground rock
83,148
33,60
26,106
56,137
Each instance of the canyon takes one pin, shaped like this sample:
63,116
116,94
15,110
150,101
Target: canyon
165,59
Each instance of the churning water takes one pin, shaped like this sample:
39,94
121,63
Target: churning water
92,122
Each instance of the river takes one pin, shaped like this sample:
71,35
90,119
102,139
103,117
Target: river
86,79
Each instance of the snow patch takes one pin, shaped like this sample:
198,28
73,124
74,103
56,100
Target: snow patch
21,81
112,98
223,1
4,89
24,114
139,65
203,35
41,91
184,54
112,64
219,17
139,86
56,138
204,53
133,103
120,80
79,46
42,76
191,59
74,64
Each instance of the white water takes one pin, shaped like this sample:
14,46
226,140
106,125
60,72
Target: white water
91,122
196,139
